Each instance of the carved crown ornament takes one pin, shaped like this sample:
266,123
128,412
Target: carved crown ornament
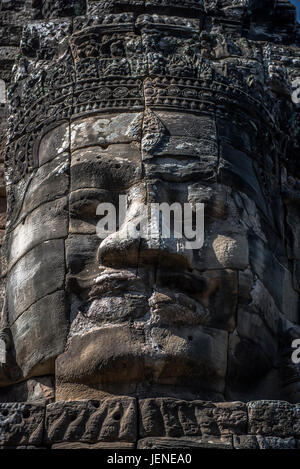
127,60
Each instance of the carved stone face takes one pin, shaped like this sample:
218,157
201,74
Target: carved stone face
161,109
159,312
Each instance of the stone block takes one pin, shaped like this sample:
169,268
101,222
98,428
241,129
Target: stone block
51,182
111,420
271,442
208,298
44,324
96,168
276,278
45,223
177,444
21,424
53,143
119,445
273,418
236,169
245,442
166,417
32,390
114,129
29,279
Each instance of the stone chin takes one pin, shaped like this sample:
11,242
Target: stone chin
140,359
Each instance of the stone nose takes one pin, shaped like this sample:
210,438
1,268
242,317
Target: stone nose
141,240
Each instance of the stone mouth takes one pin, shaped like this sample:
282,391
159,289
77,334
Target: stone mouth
116,281
187,287
115,297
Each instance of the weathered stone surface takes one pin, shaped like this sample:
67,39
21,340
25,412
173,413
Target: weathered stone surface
271,442
175,158
226,250
101,445
279,283
70,369
197,351
21,424
104,169
114,129
245,442
163,101
167,356
214,304
185,443
260,377
297,275
5,448
59,8
33,390
53,216
236,169
252,330
51,182
50,37
83,213
174,418
92,421
263,442
293,222
277,418
54,143
45,324
31,278
80,254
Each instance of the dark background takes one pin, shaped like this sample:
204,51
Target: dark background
297,3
